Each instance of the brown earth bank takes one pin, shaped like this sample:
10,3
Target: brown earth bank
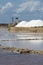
22,29
26,29
3,25
19,50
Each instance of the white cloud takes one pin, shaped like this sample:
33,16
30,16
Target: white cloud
30,5
6,7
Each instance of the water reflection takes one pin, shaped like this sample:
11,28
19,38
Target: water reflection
10,39
20,59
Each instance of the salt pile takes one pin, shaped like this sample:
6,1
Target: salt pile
21,24
32,23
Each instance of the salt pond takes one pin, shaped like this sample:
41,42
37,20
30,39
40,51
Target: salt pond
20,59
11,39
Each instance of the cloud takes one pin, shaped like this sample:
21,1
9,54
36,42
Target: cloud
6,7
30,5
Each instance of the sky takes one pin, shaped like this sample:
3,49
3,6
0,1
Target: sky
23,9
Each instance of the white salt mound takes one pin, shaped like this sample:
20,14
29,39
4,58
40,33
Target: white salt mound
32,23
21,24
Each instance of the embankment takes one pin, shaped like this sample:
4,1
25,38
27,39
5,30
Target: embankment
26,29
19,50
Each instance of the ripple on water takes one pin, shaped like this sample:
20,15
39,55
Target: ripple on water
20,59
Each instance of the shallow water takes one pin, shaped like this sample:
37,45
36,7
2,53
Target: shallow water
11,40
20,59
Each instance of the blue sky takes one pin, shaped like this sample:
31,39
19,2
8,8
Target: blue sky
23,9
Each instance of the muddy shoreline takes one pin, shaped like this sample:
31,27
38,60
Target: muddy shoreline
20,51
